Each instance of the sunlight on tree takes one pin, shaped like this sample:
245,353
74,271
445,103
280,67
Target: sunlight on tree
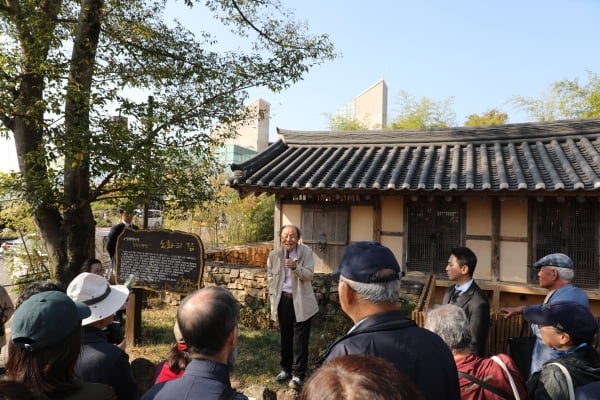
109,102
343,123
566,99
424,113
491,117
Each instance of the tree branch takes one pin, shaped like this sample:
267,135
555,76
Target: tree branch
260,32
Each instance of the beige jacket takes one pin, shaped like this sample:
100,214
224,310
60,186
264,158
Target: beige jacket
305,302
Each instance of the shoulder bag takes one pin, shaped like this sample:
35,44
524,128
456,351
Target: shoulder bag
521,349
510,378
565,371
486,386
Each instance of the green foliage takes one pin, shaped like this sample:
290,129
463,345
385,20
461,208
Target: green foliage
566,99
170,87
491,117
226,220
342,123
423,114
15,212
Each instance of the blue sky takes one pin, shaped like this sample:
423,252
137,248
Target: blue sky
479,52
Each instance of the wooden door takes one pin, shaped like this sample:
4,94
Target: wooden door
325,231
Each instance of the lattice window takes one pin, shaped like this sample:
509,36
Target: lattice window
433,228
569,227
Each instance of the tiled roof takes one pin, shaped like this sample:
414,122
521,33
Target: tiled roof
542,156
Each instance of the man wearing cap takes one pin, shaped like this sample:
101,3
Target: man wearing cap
290,270
466,294
555,273
99,360
368,288
568,328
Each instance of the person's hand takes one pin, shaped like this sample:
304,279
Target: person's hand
122,345
508,311
290,263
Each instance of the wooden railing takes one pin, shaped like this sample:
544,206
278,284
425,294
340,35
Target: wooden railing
500,328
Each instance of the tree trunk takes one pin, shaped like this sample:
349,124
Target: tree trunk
79,224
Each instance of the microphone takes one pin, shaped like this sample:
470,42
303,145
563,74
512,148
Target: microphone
287,254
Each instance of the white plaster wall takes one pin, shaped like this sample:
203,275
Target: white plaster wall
483,251
479,222
479,216
513,254
395,245
392,214
513,261
392,220
513,218
291,214
361,223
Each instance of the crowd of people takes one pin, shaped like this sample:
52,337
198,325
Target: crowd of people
59,347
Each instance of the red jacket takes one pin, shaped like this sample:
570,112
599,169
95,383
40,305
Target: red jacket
163,373
490,372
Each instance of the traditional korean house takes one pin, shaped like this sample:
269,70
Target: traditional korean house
512,193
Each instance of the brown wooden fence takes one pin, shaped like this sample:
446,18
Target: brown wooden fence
500,328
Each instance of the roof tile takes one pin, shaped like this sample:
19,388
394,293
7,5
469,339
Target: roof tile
543,156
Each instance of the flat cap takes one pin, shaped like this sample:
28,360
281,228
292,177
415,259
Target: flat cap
554,260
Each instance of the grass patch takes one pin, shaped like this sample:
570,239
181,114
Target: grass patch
258,348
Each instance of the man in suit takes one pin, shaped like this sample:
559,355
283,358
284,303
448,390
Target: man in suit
114,331
126,220
466,294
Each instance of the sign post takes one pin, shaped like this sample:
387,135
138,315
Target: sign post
159,260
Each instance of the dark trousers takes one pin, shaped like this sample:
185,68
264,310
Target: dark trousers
294,339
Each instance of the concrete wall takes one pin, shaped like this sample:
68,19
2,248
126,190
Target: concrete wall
254,132
370,107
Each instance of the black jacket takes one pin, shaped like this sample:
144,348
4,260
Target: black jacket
102,362
418,353
113,235
550,383
477,307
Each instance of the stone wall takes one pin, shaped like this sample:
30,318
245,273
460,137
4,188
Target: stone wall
248,283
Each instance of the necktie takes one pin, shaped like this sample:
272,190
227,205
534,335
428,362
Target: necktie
454,296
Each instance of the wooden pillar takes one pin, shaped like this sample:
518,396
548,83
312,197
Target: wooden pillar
277,219
133,321
495,262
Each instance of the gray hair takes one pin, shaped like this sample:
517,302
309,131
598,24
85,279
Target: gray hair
449,322
379,292
565,273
